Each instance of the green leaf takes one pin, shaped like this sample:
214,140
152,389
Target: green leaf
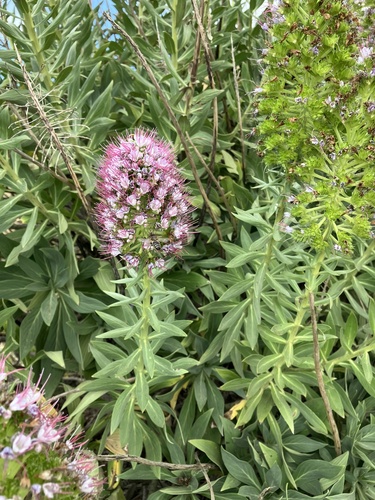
302,444
101,106
211,449
29,331
155,413
6,314
8,203
131,433
234,314
57,357
14,142
191,281
200,391
48,307
349,332
315,422
283,407
371,315
240,470
310,473
30,228
141,390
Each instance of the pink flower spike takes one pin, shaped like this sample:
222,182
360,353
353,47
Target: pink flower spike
142,193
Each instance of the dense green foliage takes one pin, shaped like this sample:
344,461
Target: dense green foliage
229,372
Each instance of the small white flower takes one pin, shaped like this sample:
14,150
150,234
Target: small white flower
49,489
21,443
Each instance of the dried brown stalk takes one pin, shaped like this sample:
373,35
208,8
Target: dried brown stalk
206,476
52,132
215,181
153,463
239,114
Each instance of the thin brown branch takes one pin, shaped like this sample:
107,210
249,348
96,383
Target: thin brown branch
25,122
63,394
206,476
153,463
215,129
265,492
215,181
194,66
172,117
52,132
319,377
61,177
239,114
207,54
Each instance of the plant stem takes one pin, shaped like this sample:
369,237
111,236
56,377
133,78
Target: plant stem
145,306
153,463
144,362
319,377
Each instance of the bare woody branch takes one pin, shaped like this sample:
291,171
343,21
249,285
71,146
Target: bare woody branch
153,463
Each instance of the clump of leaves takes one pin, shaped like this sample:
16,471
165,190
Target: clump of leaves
317,111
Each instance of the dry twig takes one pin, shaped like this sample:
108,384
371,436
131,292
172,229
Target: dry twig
52,132
215,181
153,463
206,476
239,114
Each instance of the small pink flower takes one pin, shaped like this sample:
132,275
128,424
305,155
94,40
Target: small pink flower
155,205
50,489
132,200
21,443
23,399
172,211
48,434
3,372
140,219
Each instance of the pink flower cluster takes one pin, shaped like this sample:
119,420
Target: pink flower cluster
33,428
144,208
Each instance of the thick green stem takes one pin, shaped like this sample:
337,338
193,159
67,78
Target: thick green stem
145,328
320,379
303,307
146,305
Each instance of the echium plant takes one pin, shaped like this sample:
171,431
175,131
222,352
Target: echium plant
316,107
39,457
144,217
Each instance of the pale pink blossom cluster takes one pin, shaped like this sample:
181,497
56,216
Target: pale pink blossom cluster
37,429
144,209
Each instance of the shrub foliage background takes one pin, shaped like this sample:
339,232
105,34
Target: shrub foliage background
234,381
